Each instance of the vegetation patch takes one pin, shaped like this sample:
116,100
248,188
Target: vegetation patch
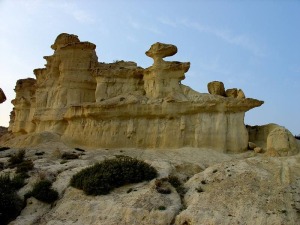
10,203
67,155
162,207
42,191
103,177
4,148
18,160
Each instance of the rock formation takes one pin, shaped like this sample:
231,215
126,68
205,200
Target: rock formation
120,104
2,96
274,139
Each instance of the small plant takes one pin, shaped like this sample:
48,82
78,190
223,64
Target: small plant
39,153
161,207
17,158
129,190
297,137
63,161
67,155
160,186
24,166
174,181
4,148
43,192
10,203
103,177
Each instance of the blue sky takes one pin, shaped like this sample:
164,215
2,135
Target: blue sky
252,45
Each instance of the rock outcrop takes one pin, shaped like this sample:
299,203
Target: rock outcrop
120,104
216,188
216,88
2,96
274,139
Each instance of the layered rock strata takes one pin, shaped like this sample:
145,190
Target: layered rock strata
120,104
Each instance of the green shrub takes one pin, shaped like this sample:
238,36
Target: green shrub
24,166
18,181
103,177
42,191
174,181
10,203
17,158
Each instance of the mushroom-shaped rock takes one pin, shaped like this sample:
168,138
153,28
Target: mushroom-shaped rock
216,88
159,50
2,96
64,39
163,77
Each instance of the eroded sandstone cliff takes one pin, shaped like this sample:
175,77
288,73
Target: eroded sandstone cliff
120,104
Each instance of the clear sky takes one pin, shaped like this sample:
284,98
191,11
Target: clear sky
252,45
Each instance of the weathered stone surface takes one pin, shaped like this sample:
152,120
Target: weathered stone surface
216,88
2,96
251,145
258,150
24,106
220,189
120,104
158,51
240,94
276,139
254,191
232,92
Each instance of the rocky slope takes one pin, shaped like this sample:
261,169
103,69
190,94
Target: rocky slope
217,188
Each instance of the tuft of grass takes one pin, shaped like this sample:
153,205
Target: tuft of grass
103,177
42,191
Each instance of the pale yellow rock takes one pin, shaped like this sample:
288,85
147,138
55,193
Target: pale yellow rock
251,145
258,191
163,77
158,51
216,88
258,150
2,96
276,139
232,92
117,78
90,104
24,106
240,94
